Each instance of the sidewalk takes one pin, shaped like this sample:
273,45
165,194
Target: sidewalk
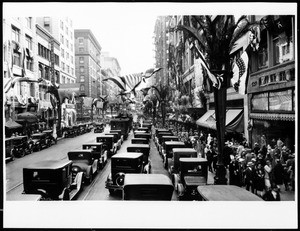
284,195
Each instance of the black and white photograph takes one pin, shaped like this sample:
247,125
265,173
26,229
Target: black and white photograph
150,115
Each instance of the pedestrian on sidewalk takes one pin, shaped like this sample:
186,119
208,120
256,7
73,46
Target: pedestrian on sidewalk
209,157
259,180
234,177
249,177
268,169
278,174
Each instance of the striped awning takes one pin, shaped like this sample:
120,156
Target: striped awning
234,120
273,116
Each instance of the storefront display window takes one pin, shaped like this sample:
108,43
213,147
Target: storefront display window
280,101
259,102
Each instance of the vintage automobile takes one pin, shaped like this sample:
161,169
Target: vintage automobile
174,164
120,136
142,135
225,193
51,139
108,144
98,152
163,139
98,127
139,141
40,141
193,172
121,164
52,180
159,134
69,132
116,140
9,149
84,161
167,150
22,146
76,129
145,129
145,149
153,187
123,124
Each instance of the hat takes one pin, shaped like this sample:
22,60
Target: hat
260,156
255,143
253,159
249,164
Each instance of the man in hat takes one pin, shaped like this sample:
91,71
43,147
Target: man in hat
249,176
256,148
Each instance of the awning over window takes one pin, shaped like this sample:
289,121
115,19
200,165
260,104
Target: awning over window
273,116
234,120
12,124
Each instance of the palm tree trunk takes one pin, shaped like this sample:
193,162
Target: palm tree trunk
220,112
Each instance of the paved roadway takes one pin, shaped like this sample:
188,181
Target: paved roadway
97,190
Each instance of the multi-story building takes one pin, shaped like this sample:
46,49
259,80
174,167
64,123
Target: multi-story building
62,30
87,59
271,85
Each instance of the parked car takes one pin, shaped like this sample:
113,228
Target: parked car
108,143
163,139
120,136
167,151
9,149
153,187
84,161
159,134
22,146
145,129
51,139
174,164
69,132
139,141
123,124
145,149
40,141
52,180
98,152
142,135
193,173
121,164
116,139
98,127
225,193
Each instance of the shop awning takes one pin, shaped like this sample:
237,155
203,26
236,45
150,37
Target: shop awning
12,124
273,116
234,120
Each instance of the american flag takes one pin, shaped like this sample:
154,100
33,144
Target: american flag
239,79
131,80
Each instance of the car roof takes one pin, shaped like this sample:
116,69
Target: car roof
169,136
95,143
184,150
80,151
146,179
139,139
38,134
48,131
105,136
174,142
49,164
139,145
19,137
128,155
192,159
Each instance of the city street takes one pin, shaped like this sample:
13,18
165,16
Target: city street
96,190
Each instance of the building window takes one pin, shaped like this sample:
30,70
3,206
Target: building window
68,68
67,31
56,59
72,59
63,79
62,52
71,45
82,88
17,59
46,21
29,22
71,35
61,25
282,48
15,34
63,65
67,55
81,59
62,39
72,71
263,61
82,78
81,49
29,63
81,69
80,40
28,42
67,43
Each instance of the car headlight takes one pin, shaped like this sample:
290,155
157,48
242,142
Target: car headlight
76,169
120,178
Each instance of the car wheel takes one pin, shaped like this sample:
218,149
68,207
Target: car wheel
22,153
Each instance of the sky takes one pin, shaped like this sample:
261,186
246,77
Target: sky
125,30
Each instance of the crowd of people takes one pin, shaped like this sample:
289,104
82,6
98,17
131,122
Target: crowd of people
264,169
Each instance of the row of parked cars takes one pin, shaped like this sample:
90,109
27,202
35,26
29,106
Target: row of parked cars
63,180
20,146
187,171
78,129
